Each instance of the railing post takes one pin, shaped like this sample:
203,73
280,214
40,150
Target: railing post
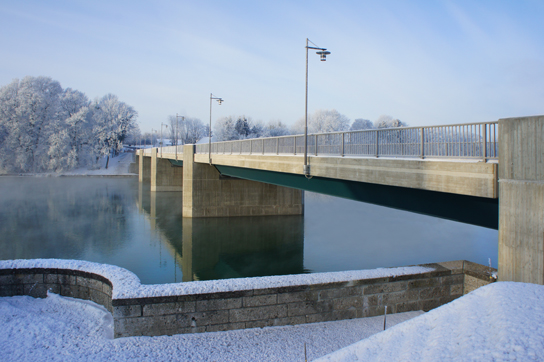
295,138
342,155
250,147
277,146
377,150
262,141
484,143
315,145
422,141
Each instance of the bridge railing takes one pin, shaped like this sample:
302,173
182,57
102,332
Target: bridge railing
471,141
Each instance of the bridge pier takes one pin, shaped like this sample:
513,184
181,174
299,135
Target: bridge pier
165,176
207,194
144,167
521,199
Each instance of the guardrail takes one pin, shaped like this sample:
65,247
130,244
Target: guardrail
471,140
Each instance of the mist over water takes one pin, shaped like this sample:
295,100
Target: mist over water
118,221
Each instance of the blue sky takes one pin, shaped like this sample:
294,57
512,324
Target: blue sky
424,62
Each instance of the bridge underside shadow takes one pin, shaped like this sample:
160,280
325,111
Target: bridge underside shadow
473,210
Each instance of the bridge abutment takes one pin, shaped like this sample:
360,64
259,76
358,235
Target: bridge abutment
207,194
521,199
165,176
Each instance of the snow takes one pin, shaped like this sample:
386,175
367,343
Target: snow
127,285
59,328
118,165
502,321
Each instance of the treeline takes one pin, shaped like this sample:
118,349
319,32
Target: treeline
190,130
44,127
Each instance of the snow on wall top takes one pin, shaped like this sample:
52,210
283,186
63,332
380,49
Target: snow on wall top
127,285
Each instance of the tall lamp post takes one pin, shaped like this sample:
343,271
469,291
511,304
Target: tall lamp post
323,56
162,145
219,100
177,132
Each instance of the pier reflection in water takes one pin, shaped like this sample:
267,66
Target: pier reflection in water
219,248
117,221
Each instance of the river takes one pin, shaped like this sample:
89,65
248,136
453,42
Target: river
116,220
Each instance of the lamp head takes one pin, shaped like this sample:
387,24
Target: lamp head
219,101
323,55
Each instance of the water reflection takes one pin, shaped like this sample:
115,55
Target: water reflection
118,221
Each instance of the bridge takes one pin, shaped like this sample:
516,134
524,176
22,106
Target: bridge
450,172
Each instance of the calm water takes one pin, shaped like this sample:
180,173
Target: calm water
117,221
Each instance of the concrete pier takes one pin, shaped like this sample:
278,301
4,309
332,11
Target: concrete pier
521,199
207,194
165,176
144,167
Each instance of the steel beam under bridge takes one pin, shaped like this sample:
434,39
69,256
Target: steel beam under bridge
479,211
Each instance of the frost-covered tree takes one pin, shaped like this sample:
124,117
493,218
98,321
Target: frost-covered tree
385,121
360,124
43,127
186,130
237,128
323,121
275,128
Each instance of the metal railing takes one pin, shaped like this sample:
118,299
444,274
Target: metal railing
471,141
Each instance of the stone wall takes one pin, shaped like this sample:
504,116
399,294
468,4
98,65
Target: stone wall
68,283
251,308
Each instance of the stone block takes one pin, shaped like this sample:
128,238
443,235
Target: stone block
148,326
385,288
218,304
427,305
52,278
28,278
302,296
168,308
423,283
347,303
98,297
89,283
305,308
319,317
106,289
67,279
69,290
344,314
407,307
126,311
399,297
6,280
258,300
257,313
372,300
456,289
341,293
373,311
209,317
452,279
434,292
53,288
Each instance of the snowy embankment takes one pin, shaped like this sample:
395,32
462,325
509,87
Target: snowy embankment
127,285
65,329
117,166
502,321
499,322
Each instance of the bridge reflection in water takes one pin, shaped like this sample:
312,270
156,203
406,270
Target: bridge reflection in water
220,248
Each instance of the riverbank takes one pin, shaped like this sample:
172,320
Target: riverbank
499,322
116,166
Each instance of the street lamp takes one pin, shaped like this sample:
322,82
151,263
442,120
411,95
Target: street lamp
177,132
162,145
323,57
219,100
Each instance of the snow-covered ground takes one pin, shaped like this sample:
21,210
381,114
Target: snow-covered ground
499,322
502,321
116,166
65,329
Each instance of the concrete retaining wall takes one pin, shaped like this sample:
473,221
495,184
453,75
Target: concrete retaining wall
289,305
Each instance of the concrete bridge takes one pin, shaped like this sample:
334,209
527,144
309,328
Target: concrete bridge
450,172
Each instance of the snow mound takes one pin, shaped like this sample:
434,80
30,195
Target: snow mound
502,321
